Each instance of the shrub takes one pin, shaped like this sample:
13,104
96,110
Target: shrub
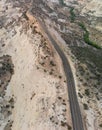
63,123
80,95
72,15
82,26
85,106
87,92
62,2
88,41
52,63
100,125
69,127
86,36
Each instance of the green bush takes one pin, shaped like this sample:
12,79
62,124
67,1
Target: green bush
82,26
88,41
72,15
61,2
86,36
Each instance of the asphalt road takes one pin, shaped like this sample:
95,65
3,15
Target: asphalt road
74,105
73,100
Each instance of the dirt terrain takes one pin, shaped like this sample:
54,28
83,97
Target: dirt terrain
67,21
33,89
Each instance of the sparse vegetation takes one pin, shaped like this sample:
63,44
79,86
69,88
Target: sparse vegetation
51,73
88,41
87,92
63,123
8,126
86,37
37,67
52,63
60,76
81,69
59,98
8,67
85,106
80,95
72,15
25,16
82,26
42,52
62,2
45,70
100,125
69,127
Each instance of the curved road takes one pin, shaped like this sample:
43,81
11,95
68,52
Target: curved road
74,105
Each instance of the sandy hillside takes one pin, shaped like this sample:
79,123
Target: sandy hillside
35,93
